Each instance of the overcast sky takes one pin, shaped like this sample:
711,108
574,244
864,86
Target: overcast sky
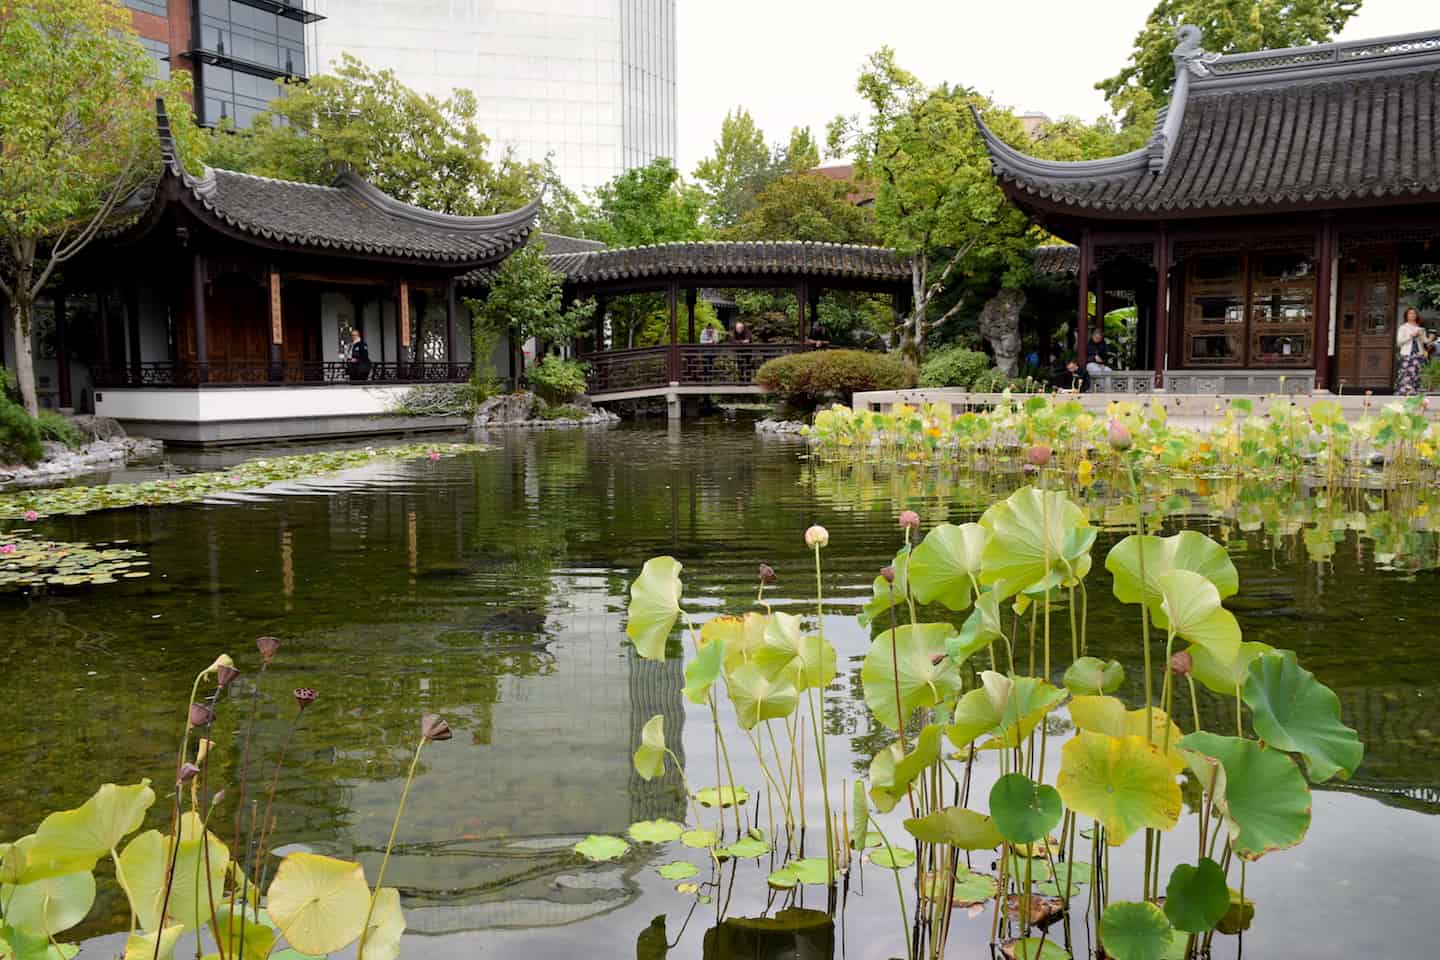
794,62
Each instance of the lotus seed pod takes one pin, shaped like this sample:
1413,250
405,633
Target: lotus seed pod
304,696
268,647
817,537
201,715
225,675
767,573
434,727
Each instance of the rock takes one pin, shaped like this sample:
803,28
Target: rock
525,409
507,408
779,426
60,461
99,428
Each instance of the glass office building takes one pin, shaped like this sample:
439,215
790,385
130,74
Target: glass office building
590,82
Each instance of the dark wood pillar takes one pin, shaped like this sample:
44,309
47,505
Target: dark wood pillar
672,296
1162,302
132,327
691,294
452,318
1324,302
404,320
802,303
102,319
277,324
600,304
197,317
1082,281
65,400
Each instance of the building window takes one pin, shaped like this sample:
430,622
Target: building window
235,96
1249,310
156,7
241,32
159,51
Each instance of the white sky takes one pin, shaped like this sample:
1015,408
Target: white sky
794,62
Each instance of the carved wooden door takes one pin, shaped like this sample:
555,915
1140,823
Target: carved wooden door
1365,339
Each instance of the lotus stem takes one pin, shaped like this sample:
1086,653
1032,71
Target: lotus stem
266,823
173,852
819,724
389,845
899,892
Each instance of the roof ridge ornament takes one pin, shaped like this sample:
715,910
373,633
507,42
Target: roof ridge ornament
1190,60
170,154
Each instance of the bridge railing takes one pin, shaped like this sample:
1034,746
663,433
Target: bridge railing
687,364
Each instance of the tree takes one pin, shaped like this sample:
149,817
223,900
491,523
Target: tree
413,146
807,206
802,152
937,201
741,166
1227,26
525,300
645,205
77,136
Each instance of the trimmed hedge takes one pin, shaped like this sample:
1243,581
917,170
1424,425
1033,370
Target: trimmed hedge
806,380
953,367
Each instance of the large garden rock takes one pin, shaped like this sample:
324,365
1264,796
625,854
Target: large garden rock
1000,325
507,408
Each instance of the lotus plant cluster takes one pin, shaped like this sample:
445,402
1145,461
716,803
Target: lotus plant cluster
1018,772
1283,439
188,884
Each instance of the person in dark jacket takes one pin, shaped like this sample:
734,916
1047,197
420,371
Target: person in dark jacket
1098,358
1070,377
358,356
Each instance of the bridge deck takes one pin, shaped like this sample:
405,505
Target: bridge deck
684,369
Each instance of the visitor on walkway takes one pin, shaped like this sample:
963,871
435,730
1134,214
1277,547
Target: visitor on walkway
1097,354
358,356
1070,378
742,332
710,336
1413,342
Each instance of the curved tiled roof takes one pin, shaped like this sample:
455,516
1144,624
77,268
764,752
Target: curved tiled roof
717,259
1309,125
1056,258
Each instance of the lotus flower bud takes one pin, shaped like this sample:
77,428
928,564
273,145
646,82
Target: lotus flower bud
909,520
225,675
937,658
1038,455
221,661
201,715
7,548
202,750
817,537
187,773
888,573
434,727
1181,663
767,573
304,696
31,516
268,647
1120,438
218,799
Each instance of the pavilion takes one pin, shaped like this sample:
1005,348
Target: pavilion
1265,227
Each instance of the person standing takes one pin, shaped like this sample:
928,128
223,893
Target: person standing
1412,341
358,356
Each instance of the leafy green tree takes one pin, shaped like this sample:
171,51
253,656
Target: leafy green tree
807,206
649,204
1228,26
413,146
937,201
77,136
740,167
525,300
802,152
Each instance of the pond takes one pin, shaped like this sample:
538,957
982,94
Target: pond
491,588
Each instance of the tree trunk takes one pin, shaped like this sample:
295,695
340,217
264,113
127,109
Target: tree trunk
1000,325
18,323
912,335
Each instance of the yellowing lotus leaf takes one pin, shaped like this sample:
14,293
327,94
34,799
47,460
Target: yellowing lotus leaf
319,903
1123,782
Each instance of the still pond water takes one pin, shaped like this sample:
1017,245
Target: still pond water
491,589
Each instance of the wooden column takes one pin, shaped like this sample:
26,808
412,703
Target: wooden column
691,294
62,354
102,319
132,329
672,296
403,315
197,317
1324,302
452,317
1162,302
1082,278
802,302
277,325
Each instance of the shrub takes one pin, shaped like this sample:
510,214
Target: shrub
562,412
805,380
20,439
557,381
1430,377
60,429
953,367
439,400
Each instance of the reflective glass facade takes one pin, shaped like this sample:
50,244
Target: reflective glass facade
591,82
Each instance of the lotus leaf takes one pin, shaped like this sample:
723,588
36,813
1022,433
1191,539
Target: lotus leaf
699,839
1196,898
319,903
971,888
654,606
1135,931
1264,796
860,830
1030,542
1036,948
892,771
721,796
1007,707
808,661
1192,605
678,870
1024,811
746,848
1186,550
702,672
1091,676
1075,872
387,923
957,827
1108,715
945,567
980,630
884,594
656,831
17,945
43,908
1238,917
146,858
1297,713
258,938
143,946
893,858
906,658
650,755
1123,782
601,847
25,863
94,828
742,636
1225,677
757,697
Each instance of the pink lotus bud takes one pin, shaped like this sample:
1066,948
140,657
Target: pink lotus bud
817,537
909,520
1181,663
434,454
7,548
888,573
434,727
304,696
767,573
187,773
1120,438
31,516
201,715
1038,455
937,659
268,647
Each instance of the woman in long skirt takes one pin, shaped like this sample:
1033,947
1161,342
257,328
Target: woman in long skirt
1412,341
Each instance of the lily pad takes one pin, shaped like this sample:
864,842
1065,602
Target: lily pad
945,567
973,888
650,755
1033,948
721,796
1263,795
654,606
893,858
811,870
599,848
319,903
903,662
678,870
1196,898
699,839
746,848
1297,713
1091,676
1135,931
1123,782
656,831
1024,811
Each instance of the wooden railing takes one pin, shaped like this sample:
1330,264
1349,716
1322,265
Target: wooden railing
319,374
688,364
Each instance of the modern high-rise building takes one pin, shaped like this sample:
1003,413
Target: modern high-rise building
236,50
589,82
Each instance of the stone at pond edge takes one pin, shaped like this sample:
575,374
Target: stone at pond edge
524,410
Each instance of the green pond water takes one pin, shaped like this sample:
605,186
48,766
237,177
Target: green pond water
491,589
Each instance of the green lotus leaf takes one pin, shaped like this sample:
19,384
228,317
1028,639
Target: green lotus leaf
945,567
892,771
1263,794
721,796
981,628
893,858
656,831
742,636
746,848
17,945
808,661
884,594
1037,948
702,672
905,658
1024,811
812,870
145,860
1091,676
678,870
1297,713
598,848
142,946
859,832
387,923
24,863
1186,550
699,839
1196,898
757,697
650,755
783,879
1225,677
1192,605
1031,543
96,827
1135,931
1124,782
972,888
1009,708
43,908
258,938
957,827
1238,917
654,606
1076,872
319,903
